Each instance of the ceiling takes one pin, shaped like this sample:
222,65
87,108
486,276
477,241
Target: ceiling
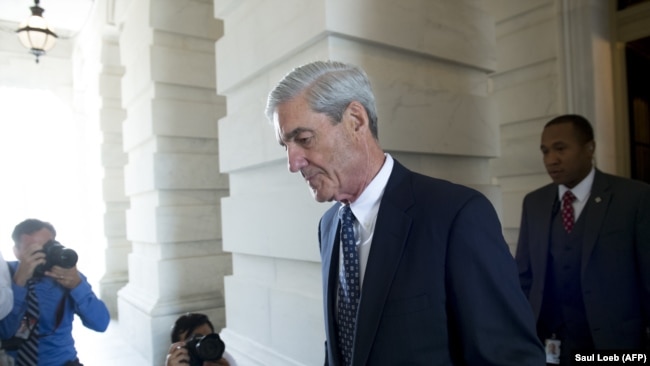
65,17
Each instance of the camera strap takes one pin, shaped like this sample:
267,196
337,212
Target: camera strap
61,308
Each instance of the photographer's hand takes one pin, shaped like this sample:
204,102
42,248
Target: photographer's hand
66,277
27,264
177,355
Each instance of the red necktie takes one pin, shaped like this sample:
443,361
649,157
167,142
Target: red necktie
568,217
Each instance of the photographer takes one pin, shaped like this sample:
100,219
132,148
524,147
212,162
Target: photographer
48,291
185,331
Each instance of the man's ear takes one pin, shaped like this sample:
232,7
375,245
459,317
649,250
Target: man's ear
16,252
358,114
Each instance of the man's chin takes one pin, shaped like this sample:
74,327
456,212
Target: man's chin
556,177
319,197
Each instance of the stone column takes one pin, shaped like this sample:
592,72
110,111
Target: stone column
172,176
114,159
98,78
527,94
428,62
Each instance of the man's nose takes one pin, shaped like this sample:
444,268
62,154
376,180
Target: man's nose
295,159
551,159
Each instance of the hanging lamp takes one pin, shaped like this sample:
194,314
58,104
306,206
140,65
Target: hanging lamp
35,34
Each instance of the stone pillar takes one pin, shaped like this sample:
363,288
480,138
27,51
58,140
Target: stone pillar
587,74
114,159
428,62
98,74
526,91
172,176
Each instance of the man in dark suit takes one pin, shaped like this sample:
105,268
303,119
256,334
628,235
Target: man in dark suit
426,278
585,264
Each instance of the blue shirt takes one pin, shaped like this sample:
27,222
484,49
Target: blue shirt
56,345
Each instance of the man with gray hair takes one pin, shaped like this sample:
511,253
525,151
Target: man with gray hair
415,269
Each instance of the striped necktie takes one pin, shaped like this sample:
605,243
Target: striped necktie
28,351
349,286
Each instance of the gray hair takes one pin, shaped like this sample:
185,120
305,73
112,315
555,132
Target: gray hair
329,87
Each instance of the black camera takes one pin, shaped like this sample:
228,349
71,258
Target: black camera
205,348
56,255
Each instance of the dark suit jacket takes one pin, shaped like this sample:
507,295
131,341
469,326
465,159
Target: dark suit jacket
615,264
440,287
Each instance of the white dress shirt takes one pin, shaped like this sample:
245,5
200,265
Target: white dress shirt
582,191
365,210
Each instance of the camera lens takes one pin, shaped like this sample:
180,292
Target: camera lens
67,258
210,348
56,255
206,348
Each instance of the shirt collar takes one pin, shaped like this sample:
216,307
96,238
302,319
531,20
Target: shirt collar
365,208
582,189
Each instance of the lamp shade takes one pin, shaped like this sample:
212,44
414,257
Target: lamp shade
35,34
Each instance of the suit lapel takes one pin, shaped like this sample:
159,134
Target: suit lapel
594,212
388,243
330,258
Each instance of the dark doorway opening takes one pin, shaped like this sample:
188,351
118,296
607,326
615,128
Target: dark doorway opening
624,4
637,56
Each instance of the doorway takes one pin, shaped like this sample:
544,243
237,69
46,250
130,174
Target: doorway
637,56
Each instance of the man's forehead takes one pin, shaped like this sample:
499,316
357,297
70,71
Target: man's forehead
279,128
292,111
288,127
36,235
